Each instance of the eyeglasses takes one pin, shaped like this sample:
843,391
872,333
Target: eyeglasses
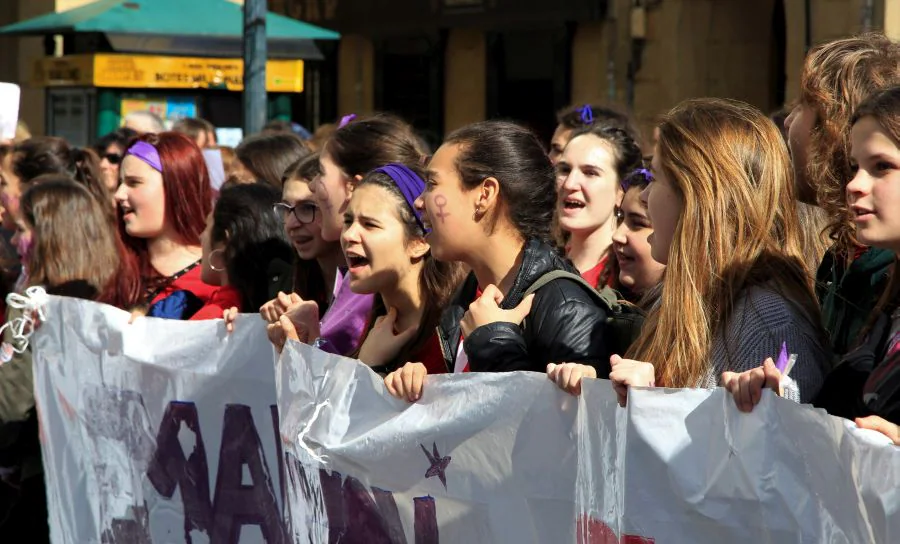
305,213
113,158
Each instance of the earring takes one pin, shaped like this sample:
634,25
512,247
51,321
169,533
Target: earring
476,214
213,267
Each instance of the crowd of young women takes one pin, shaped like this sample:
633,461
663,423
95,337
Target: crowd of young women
494,255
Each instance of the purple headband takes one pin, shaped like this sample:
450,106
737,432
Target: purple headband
147,153
410,185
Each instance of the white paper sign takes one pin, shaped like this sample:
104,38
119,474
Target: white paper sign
10,94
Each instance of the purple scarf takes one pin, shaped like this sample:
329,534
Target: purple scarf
342,325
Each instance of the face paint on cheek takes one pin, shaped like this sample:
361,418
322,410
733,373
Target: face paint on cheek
441,202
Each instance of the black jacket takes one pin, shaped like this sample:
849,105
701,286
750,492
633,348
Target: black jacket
867,380
564,325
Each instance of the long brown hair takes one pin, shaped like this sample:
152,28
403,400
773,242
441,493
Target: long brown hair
437,280
738,227
74,247
836,77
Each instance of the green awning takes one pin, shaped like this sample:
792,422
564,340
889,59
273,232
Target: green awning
196,18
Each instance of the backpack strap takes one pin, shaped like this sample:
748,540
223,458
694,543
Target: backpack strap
624,321
606,297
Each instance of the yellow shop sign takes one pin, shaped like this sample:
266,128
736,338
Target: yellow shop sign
158,72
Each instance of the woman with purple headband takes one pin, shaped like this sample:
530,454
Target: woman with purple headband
356,148
384,243
163,200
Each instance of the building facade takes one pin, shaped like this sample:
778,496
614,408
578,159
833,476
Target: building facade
445,63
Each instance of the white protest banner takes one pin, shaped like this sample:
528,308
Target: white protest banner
163,431
158,431
510,458
9,110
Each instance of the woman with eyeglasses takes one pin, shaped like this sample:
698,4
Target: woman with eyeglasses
243,236
111,148
318,261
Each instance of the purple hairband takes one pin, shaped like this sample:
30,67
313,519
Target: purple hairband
410,185
147,153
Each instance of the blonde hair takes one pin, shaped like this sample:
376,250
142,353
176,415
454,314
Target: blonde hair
738,227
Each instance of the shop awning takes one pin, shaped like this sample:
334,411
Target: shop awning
220,21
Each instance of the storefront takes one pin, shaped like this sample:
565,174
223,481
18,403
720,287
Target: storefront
175,58
88,95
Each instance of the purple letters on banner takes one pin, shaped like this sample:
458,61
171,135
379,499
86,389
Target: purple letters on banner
356,516
355,513
237,504
170,469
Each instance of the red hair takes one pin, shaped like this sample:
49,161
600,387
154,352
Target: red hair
187,191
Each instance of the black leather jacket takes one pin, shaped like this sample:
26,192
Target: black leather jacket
564,325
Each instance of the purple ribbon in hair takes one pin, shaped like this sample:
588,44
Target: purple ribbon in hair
147,153
410,185
345,120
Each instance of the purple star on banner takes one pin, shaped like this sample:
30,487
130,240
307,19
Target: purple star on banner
438,464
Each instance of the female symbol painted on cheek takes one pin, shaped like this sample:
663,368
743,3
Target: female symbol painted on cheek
441,201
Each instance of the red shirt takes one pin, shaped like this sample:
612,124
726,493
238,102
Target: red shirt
222,299
191,282
431,355
592,276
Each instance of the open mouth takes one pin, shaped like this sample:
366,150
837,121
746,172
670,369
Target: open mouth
356,261
570,204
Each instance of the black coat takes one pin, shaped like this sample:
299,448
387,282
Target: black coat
564,325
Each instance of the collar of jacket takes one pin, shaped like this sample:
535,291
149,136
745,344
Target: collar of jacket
538,259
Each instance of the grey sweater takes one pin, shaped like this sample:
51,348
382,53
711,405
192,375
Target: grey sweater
761,321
